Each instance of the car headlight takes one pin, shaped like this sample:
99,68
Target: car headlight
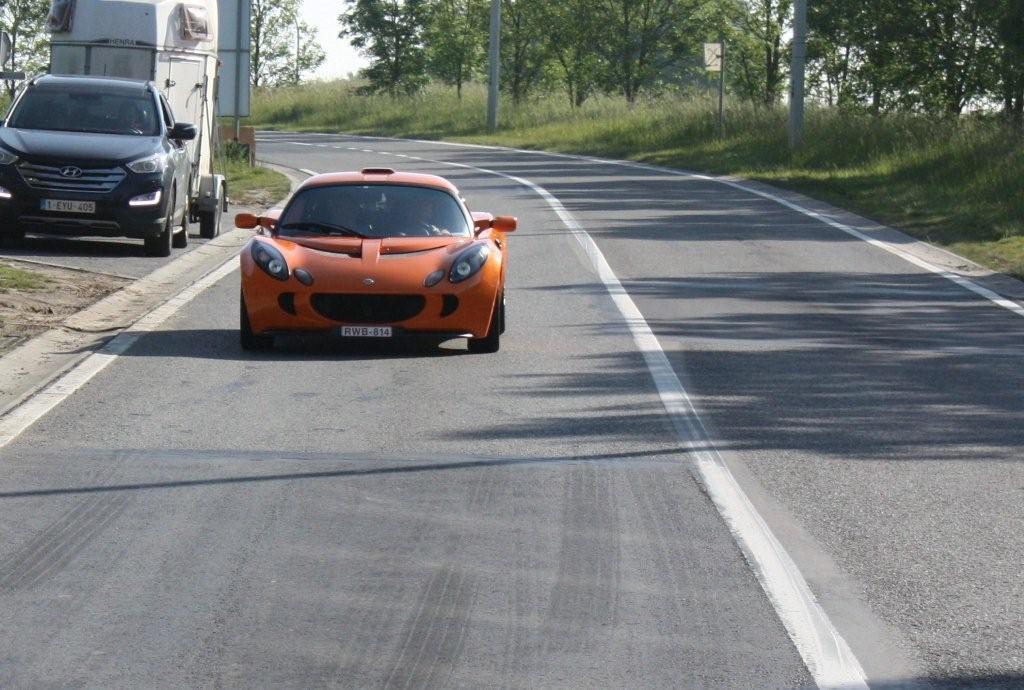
468,263
146,166
270,260
150,199
7,158
5,194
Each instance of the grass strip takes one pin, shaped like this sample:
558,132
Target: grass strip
952,182
18,279
254,185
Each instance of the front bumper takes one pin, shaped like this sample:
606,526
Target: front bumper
445,310
113,218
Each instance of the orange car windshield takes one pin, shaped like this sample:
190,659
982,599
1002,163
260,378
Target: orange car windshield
374,211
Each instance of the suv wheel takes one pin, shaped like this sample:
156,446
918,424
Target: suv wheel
160,245
180,240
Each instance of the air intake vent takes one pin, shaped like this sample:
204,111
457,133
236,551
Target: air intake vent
368,308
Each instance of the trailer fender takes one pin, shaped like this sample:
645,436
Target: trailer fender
212,194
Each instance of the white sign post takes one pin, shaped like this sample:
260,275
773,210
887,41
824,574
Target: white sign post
714,61
713,57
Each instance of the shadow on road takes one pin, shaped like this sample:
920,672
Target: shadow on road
222,344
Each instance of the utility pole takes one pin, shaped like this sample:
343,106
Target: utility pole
796,92
495,66
298,48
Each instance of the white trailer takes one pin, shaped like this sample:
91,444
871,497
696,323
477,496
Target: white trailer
168,42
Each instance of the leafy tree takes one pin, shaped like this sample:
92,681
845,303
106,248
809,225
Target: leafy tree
1009,22
25,21
574,33
391,34
760,49
284,47
455,38
637,40
524,49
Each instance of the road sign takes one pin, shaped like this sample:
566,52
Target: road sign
233,46
713,57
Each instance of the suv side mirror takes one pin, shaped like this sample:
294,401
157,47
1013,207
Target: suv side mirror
183,131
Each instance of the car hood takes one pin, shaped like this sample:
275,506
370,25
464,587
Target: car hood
354,246
77,147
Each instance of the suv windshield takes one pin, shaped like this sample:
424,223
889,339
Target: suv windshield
81,111
374,211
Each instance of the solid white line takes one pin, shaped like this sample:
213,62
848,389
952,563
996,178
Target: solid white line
826,654
963,282
28,413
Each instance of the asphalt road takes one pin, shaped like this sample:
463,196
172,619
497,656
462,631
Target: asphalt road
112,255
418,516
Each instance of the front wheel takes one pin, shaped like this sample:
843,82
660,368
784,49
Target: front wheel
160,245
247,339
492,341
180,240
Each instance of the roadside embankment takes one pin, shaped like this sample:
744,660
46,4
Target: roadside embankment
955,183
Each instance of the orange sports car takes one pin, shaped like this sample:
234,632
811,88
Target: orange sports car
375,254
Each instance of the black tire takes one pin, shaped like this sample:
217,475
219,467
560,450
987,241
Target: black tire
160,245
180,239
492,341
246,338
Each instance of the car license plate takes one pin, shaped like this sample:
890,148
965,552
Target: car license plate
61,206
366,331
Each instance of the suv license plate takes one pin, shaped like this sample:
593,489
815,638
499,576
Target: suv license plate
365,331
69,206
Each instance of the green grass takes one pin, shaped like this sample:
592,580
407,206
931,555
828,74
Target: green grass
254,186
953,183
18,279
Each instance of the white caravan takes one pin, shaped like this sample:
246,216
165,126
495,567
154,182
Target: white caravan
169,42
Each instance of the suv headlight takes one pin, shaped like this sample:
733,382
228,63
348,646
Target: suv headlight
468,263
149,165
7,158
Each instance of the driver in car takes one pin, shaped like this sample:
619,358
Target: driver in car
425,217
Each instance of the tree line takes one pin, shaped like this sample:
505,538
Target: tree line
936,56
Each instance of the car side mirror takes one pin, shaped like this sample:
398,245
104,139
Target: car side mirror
505,223
246,221
249,221
183,131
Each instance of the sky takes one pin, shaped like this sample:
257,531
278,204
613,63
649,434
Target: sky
341,57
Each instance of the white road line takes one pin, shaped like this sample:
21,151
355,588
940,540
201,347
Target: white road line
965,283
826,654
311,173
28,413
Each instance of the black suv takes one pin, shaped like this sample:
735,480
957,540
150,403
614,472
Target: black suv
95,156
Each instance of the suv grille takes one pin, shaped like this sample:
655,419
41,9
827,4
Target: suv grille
368,308
92,180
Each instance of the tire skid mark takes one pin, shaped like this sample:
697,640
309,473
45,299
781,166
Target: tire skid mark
436,633
56,545
584,600
433,640
52,549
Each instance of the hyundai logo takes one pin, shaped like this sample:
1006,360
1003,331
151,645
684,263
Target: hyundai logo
71,171
369,282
